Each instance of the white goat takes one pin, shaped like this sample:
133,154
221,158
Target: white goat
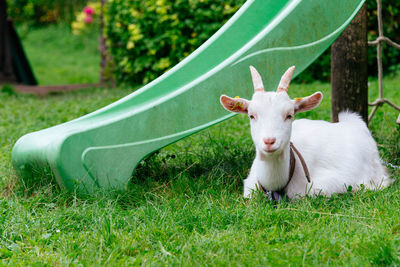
338,155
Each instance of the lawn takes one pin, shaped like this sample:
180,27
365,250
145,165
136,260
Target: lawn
59,57
184,205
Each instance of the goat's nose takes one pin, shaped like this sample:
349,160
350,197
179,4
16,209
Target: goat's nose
269,141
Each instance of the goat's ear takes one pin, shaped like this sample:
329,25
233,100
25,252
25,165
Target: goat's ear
238,105
307,103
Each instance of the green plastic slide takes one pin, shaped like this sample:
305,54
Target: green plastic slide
100,151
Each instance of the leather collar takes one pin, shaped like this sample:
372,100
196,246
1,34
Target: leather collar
280,194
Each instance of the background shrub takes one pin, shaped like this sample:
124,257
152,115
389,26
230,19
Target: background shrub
147,37
43,12
390,57
391,28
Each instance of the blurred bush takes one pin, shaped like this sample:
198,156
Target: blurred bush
147,37
42,12
390,56
391,28
88,20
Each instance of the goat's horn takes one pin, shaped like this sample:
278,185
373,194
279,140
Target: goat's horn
257,81
285,80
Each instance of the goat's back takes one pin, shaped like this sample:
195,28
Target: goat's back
339,153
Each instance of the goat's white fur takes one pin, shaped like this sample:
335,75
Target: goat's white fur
338,155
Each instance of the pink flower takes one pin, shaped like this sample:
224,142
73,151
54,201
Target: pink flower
88,19
88,10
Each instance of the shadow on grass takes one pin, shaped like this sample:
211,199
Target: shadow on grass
206,165
213,166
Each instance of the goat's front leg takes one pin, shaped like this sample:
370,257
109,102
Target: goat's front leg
250,184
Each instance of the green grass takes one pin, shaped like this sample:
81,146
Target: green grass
184,205
59,57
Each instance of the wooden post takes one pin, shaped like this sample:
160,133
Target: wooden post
349,68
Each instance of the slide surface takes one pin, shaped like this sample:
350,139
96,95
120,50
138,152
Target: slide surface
100,151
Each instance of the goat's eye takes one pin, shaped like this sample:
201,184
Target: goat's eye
251,117
289,117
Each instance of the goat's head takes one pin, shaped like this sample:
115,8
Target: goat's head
271,113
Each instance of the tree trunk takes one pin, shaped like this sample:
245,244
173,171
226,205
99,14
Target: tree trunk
102,46
6,67
349,68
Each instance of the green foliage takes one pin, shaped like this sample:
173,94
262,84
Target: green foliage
391,28
390,56
8,89
147,37
88,19
41,12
